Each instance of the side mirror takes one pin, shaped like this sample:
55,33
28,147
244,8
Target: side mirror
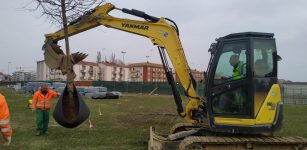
212,48
279,58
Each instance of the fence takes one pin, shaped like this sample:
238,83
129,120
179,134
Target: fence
143,87
294,94
128,87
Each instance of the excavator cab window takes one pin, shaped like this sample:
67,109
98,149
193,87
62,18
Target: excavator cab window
231,66
263,58
264,70
232,63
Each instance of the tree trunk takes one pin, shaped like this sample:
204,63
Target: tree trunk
70,107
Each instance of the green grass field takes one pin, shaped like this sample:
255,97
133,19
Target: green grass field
122,124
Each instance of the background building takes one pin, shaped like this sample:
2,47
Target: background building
198,75
24,76
108,71
86,71
44,73
113,72
146,72
3,77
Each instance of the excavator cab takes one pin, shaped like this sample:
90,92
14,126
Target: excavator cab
242,91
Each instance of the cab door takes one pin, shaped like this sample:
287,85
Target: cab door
264,70
228,95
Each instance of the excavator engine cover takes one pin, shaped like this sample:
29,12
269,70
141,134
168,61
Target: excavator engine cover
71,110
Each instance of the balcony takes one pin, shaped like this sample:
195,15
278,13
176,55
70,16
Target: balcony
134,71
91,71
99,72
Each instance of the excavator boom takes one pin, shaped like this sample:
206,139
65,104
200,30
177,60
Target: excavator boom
161,33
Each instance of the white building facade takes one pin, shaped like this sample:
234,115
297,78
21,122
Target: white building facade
44,73
113,72
86,71
24,76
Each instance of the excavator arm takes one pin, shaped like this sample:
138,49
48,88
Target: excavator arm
161,33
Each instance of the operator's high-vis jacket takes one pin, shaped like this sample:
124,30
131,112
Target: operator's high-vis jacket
42,101
239,71
5,126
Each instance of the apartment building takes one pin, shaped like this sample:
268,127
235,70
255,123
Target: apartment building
24,76
44,73
84,71
107,71
146,72
113,72
198,75
3,77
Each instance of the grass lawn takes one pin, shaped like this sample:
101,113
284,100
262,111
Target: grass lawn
122,124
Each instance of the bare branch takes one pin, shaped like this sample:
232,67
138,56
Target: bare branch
52,8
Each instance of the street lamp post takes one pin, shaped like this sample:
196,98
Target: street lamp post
147,58
123,52
8,70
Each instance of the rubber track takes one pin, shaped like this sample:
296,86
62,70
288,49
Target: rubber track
232,140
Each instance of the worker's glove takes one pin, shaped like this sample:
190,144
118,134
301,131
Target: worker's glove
7,141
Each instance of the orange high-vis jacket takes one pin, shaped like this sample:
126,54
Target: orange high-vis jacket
42,101
5,126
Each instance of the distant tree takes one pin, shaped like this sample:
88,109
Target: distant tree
120,62
98,57
113,59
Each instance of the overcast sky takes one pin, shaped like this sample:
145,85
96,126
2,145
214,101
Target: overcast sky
199,22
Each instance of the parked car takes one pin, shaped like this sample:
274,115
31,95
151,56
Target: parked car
32,87
113,95
59,89
81,90
95,92
107,95
56,85
117,93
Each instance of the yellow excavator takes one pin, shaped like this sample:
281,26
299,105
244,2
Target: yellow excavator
241,107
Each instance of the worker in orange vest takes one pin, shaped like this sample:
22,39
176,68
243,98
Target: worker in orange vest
41,104
5,126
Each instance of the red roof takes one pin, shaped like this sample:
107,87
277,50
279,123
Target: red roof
147,64
87,63
112,64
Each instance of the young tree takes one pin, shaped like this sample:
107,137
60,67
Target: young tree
62,12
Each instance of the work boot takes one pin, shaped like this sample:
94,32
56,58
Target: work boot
38,133
46,133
